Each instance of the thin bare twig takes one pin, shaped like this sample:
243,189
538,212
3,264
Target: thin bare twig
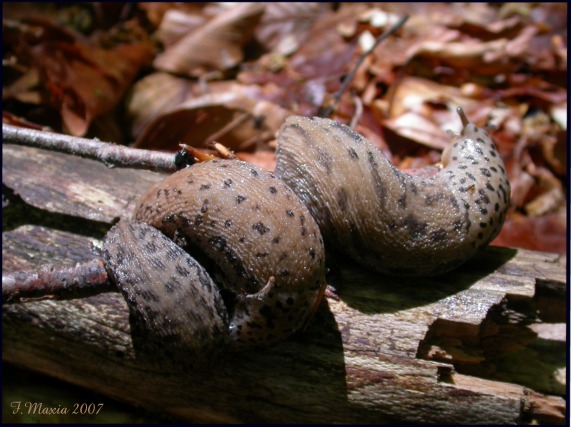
326,112
62,282
108,153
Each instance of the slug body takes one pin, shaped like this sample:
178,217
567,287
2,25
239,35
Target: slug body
158,282
387,220
253,235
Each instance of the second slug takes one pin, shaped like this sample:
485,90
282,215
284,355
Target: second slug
387,220
249,231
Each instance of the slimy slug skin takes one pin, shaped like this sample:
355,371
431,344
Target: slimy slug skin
248,230
387,220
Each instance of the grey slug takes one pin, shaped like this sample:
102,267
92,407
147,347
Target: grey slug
260,266
387,220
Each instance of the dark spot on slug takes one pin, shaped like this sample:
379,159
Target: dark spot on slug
157,264
148,296
254,325
240,199
228,223
486,172
355,136
325,159
260,228
205,187
227,183
172,286
150,247
377,179
353,154
342,198
218,243
416,227
433,199
273,189
290,213
254,172
439,235
483,196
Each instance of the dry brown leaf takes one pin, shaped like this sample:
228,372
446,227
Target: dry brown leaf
545,233
167,111
75,75
176,23
86,81
156,94
412,114
155,11
313,72
285,26
418,128
25,89
216,45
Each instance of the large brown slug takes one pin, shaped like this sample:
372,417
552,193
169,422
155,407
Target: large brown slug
388,220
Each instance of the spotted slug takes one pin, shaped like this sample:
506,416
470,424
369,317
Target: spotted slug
385,219
220,249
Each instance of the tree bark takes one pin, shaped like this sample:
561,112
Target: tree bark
389,350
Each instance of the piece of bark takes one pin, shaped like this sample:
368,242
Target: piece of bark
362,359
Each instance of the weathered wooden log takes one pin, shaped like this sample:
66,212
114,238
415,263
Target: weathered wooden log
390,350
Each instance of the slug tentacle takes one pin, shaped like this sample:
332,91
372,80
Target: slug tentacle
255,237
386,219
